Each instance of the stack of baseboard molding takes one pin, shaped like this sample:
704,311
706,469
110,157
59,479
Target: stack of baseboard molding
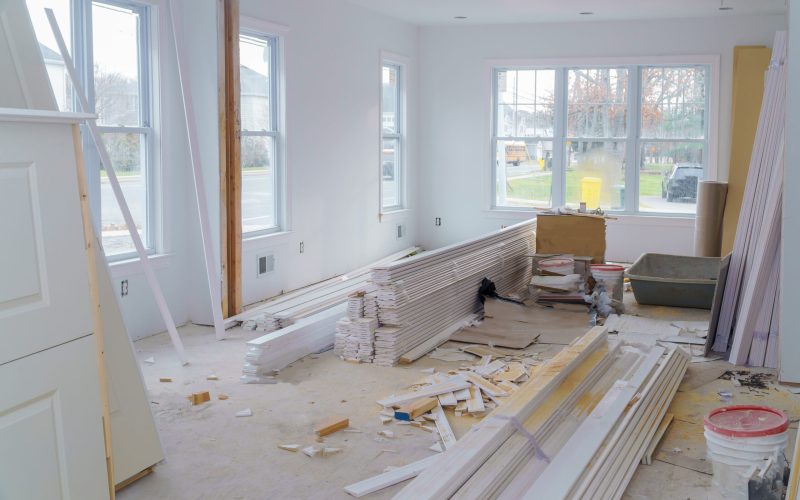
748,319
577,429
274,351
422,296
290,307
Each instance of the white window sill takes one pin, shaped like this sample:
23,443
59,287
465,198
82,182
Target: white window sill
639,219
394,214
271,238
130,267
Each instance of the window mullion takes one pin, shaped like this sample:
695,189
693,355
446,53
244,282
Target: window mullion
559,173
632,147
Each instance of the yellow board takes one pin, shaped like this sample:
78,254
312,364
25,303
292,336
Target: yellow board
749,65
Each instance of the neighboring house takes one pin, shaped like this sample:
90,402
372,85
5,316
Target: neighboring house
254,105
62,88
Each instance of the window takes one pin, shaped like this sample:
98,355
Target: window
111,48
392,169
260,157
568,134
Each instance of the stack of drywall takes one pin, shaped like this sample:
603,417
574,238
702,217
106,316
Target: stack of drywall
272,352
421,296
748,314
288,308
578,427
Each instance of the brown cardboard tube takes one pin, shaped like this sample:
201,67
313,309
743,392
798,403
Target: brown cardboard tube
708,223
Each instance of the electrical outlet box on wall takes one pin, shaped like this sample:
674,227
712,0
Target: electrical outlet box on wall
265,264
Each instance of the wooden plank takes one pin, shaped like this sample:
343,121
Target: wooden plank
415,409
390,478
662,429
486,386
455,383
94,292
475,401
331,425
233,155
447,399
437,340
443,426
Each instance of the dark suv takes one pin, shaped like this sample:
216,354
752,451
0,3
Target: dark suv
681,182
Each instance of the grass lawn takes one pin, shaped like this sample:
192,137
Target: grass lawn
538,188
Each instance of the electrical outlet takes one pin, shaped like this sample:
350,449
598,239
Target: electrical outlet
437,221
123,288
302,247
400,231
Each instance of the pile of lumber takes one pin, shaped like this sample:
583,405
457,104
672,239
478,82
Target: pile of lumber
420,301
577,429
288,308
748,315
274,351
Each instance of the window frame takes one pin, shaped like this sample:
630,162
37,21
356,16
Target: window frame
632,140
275,35
401,171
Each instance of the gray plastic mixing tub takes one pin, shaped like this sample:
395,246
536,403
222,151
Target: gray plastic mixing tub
674,280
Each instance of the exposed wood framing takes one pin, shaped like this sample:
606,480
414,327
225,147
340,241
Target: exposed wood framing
230,162
94,290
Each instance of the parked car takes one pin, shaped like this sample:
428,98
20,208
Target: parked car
681,182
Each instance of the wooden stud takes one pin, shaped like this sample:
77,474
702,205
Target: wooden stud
94,291
198,398
331,425
415,409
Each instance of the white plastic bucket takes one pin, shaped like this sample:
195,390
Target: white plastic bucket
559,265
611,276
739,438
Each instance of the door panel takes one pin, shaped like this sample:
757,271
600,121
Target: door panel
51,437
44,292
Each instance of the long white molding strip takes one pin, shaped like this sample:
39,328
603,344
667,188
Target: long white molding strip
454,383
115,187
436,340
390,478
23,115
212,273
578,451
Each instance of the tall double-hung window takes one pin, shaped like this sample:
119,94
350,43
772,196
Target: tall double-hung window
110,42
392,168
260,136
626,138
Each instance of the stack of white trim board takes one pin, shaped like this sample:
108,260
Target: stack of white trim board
288,308
423,299
577,429
748,318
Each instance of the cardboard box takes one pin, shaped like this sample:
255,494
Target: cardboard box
573,234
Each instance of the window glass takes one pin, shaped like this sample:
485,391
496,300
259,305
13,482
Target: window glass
596,174
129,158
525,103
525,173
668,176
53,62
259,155
116,52
597,102
673,103
392,168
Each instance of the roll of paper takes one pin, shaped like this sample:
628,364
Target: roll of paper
708,223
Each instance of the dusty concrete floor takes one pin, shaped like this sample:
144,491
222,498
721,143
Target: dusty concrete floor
212,454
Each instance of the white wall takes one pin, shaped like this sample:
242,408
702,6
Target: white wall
332,58
455,94
790,301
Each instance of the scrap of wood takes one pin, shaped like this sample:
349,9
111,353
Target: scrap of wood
331,425
447,399
164,379
485,350
506,386
443,426
212,377
485,385
289,447
475,401
389,478
199,397
647,459
222,397
454,383
422,426
462,395
486,370
416,409
513,373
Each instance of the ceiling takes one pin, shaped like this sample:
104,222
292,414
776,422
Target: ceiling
442,12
